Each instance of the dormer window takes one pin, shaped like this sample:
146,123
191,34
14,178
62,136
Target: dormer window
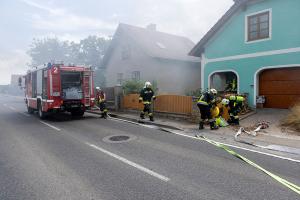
258,26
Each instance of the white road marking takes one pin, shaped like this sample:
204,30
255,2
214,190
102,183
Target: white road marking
51,126
124,160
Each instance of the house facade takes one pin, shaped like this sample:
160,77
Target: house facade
149,55
257,43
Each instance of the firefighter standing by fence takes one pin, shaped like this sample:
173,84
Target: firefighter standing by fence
101,102
235,106
146,97
206,102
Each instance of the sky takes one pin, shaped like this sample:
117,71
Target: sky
23,20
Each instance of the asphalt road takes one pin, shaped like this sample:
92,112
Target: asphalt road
66,158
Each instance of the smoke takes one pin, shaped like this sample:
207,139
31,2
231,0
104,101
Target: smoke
14,62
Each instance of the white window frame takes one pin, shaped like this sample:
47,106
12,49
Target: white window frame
270,26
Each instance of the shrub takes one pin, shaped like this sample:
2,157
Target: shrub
293,118
194,93
132,86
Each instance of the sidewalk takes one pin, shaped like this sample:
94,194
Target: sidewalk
273,138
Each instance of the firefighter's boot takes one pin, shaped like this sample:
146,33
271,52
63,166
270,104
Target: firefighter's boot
151,117
234,120
231,120
105,114
142,115
201,125
213,125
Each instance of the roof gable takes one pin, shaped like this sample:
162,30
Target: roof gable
199,48
155,43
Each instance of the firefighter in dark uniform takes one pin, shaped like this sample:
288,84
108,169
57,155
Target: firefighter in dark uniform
205,103
146,97
235,107
101,101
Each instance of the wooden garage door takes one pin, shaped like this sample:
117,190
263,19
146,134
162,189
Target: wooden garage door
281,87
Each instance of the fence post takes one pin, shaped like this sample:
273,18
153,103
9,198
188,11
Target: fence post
195,116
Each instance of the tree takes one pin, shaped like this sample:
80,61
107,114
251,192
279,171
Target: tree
89,52
46,50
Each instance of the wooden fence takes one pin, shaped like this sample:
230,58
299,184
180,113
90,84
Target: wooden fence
131,101
164,103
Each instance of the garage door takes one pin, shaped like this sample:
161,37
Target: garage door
281,87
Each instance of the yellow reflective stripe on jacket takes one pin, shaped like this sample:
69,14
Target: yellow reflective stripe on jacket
236,98
233,98
239,98
146,102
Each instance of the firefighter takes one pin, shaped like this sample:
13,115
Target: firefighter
224,104
101,101
206,102
235,106
231,86
146,97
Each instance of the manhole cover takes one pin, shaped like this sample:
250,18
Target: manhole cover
119,138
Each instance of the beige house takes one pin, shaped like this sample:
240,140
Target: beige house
147,54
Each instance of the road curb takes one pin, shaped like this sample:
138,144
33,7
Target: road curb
138,121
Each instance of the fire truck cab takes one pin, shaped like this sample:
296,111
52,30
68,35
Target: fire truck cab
55,88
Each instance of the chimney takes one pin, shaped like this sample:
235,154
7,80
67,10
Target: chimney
151,27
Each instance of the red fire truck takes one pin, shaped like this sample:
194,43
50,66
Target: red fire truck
55,88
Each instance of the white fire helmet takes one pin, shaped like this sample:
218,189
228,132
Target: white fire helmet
147,84
225,102
213,91
98,88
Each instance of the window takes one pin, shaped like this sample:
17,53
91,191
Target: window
136,75
119,78
258,26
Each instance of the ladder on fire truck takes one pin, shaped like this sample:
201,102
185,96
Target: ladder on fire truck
87,87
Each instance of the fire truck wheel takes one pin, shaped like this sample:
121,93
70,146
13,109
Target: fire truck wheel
42,114
77,113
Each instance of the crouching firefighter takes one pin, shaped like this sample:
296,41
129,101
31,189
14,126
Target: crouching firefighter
101,101
146,97
235,106
205,103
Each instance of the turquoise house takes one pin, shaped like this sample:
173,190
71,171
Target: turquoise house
256,43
